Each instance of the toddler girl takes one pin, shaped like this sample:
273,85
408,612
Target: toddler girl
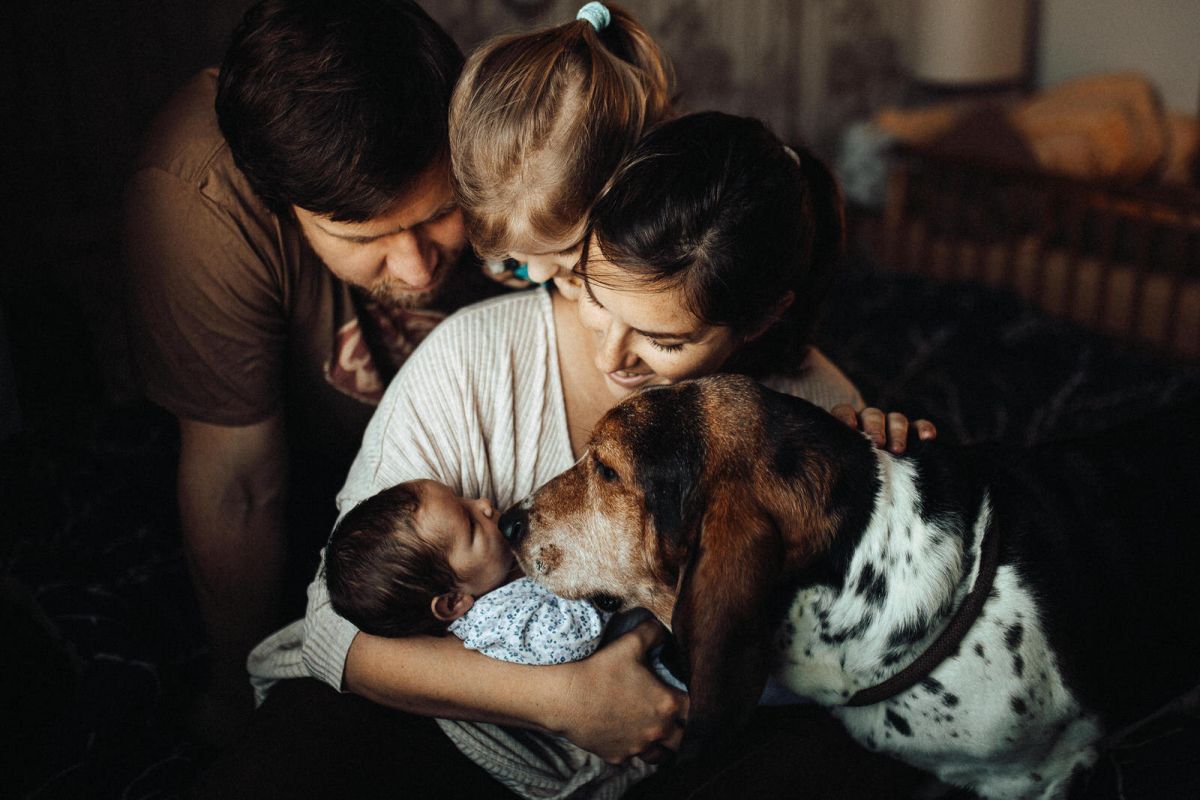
538,124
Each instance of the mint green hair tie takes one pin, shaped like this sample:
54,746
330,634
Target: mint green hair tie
596,14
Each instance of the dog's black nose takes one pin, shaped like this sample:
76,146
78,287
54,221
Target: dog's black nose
513,524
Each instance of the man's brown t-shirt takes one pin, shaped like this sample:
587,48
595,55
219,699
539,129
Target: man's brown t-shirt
236,319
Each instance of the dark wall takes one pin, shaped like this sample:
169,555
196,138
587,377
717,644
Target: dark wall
80,80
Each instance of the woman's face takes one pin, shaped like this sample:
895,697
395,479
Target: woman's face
644,336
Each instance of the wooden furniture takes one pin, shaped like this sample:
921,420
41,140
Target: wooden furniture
1125,261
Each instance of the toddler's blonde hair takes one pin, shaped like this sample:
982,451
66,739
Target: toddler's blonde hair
539,122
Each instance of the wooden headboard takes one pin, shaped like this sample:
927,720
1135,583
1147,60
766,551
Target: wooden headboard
1125,261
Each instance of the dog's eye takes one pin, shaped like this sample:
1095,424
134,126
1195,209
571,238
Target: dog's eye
606,472
606,603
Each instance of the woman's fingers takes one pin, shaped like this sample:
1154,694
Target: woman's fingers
890,430
644,636
846,413
874,425
897,432
620,708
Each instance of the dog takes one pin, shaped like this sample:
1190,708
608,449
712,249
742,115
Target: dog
984,613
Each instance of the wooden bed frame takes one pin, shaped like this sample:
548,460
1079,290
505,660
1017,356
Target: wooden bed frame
1124,261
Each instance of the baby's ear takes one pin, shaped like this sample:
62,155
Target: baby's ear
449,606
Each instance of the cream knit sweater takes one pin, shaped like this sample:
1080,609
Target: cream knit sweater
479,407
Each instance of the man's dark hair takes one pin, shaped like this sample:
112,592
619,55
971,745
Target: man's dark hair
715,205
381,574
337,106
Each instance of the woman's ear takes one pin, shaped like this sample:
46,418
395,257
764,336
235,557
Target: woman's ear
774,315
449,606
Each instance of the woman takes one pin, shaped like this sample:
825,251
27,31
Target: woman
725,272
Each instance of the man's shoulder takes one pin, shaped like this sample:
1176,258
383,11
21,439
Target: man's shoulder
185,141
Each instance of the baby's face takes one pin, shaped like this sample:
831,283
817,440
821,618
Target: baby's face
466,531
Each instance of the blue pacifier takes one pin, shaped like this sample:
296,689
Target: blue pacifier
518,269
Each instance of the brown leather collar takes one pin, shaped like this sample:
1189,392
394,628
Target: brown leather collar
951,636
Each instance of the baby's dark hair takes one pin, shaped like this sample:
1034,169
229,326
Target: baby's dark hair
715,205
381,574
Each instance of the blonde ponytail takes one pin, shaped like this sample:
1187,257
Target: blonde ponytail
539,121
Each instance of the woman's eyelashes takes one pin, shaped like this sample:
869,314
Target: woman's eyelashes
657,345
587,292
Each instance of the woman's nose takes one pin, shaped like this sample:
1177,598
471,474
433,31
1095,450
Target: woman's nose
614,352
410,259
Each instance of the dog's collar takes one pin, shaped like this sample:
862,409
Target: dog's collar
952,634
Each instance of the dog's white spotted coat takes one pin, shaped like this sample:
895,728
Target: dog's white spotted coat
995,717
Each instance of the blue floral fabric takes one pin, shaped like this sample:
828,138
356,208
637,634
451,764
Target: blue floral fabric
525,623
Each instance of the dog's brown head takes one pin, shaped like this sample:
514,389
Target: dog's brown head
694,501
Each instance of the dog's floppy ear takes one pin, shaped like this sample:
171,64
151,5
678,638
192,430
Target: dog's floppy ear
720,618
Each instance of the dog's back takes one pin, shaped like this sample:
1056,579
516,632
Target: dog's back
1105,531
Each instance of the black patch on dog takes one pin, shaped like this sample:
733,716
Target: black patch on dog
950,495
950,699
670,461
908,634
853,632
979,649
872,585
1012,636
894,720
1018,666
799,426
932,685
1018,706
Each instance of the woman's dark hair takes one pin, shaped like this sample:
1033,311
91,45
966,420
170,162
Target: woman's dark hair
337,106
381,574
716,205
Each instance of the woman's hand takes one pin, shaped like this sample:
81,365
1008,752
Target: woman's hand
614,705
884,429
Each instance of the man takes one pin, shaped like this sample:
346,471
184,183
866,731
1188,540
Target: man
291,236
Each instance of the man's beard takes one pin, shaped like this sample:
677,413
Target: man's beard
390,293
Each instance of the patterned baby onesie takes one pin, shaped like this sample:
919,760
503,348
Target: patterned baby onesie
525,623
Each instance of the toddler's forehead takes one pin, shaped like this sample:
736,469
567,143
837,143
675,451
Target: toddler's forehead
524,237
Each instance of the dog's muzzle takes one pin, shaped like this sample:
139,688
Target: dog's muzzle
514,524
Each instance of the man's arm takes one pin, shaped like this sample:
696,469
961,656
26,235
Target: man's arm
231,488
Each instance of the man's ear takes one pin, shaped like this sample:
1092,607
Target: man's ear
776,312
449,606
